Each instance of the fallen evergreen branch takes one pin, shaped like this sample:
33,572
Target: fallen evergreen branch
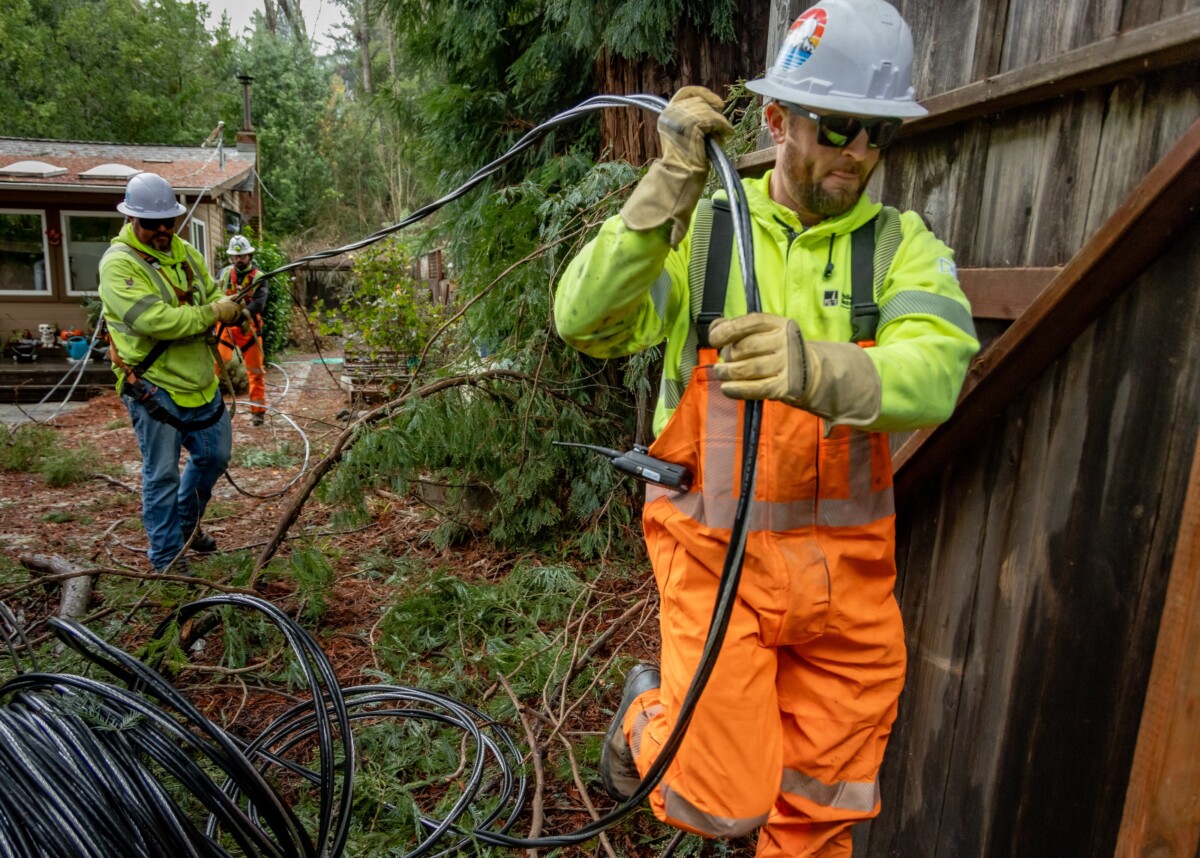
354,431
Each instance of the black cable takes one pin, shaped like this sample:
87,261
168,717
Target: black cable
126,727
752,419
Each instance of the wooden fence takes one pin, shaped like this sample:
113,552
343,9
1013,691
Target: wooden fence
1045,526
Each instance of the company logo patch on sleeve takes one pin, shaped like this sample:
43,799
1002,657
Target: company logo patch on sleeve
831,298
947,266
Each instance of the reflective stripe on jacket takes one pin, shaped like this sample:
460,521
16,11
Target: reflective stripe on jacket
140,289
628,291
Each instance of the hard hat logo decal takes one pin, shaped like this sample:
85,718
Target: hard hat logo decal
802,39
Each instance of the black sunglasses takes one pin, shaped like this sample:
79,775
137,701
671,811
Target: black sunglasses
840,131
154,224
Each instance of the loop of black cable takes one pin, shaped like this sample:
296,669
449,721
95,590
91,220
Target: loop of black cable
75,781
264,807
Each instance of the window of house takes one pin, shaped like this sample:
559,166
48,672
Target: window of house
24,254
86,235
233,221
199,239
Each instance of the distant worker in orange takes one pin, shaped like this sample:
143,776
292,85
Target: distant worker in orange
236,277
864,330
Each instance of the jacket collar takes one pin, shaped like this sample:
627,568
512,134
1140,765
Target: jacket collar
778,217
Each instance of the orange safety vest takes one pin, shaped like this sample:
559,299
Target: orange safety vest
819,503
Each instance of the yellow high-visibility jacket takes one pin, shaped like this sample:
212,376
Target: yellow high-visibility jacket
627,291
140,289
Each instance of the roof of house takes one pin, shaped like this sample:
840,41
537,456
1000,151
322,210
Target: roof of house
189,169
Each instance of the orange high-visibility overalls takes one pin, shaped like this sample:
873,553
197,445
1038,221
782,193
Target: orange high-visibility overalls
232,335
790,731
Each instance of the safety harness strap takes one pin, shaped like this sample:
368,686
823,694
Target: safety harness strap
143,394
873,246
864,312
716,270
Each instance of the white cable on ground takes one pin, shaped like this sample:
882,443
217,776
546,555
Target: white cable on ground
287,379
303,467
78,369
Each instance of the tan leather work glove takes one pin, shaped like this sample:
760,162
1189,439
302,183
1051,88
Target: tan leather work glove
227,310
672,186
766,357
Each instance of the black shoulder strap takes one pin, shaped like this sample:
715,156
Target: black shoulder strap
154,354
716,270
864,312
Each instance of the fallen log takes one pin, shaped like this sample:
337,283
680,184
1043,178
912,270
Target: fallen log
74,581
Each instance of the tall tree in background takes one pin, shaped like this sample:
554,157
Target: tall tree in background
291,104
114,70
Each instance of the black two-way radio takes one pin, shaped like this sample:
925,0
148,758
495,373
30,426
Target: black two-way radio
637,463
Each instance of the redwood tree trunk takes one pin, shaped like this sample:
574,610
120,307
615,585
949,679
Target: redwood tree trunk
699,59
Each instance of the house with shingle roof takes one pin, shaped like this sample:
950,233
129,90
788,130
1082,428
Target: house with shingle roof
58,212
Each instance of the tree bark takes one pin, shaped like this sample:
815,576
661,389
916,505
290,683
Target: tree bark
364,46
699,59
76,591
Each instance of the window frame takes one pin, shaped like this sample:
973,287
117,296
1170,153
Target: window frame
70,290
205,250
48,292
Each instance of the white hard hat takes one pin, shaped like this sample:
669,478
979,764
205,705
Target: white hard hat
239,245
149,195
847,56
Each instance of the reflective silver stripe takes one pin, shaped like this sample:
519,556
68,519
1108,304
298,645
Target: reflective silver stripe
698,263
143,304
778,516
716,505
913,302
860,462
855,511
659,293
861,796
888,236
670,391
120,329
679,808
640,722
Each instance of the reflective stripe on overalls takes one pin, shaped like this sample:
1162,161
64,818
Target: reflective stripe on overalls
795,716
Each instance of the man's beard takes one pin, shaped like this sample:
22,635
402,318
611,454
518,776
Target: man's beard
816,199
242,268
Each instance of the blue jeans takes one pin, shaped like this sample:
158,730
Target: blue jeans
172,505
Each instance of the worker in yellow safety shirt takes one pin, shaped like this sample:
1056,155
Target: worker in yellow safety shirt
789,734
159,307
236,278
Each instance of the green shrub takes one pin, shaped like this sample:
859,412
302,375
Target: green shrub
23,447
35,448
64,466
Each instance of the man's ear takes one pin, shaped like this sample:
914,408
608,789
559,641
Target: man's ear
777,121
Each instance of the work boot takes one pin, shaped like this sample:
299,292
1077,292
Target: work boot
179,567
617,768
257,418
204,543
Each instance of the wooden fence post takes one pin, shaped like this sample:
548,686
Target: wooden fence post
1162,803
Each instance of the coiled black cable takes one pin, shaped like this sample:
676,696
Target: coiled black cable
125,728
88,768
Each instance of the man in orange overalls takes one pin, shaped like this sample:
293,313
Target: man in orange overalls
235,278
790,731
